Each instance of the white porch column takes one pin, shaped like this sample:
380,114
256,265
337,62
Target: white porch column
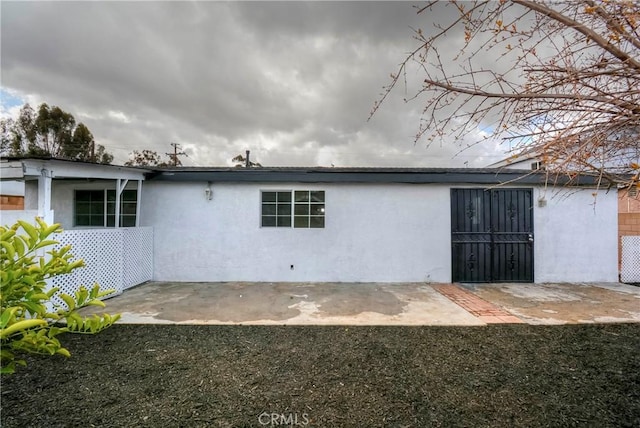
120,185
138,200
44,196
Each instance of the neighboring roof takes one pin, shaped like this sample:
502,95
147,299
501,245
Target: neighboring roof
518,156
514,161
361,175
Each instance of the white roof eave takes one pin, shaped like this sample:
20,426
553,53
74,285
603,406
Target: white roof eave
32,168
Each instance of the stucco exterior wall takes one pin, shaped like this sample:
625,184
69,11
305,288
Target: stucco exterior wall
11,188
373,232
31,195
575,239
62,197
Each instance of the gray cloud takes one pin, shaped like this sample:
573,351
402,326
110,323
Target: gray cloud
293,82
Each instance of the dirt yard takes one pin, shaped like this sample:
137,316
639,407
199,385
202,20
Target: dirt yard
253,376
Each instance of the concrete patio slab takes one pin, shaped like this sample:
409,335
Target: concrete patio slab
565,303
288,304
248,303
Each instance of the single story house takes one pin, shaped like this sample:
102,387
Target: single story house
336,224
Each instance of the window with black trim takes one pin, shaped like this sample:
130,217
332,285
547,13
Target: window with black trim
98,208
299,208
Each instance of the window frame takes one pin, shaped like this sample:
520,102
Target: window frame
128,198
126,202
310,215
294,215
90,202
276,204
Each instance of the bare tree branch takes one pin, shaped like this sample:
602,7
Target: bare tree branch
564,82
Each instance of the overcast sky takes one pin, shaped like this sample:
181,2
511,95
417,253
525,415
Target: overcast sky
293,82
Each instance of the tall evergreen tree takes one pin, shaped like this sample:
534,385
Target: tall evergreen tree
50,132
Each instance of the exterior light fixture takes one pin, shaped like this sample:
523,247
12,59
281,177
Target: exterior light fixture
208,193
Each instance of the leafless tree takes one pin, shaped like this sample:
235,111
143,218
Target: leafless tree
559,80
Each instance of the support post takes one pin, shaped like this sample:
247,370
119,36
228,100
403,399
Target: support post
138,200
44,196
120,185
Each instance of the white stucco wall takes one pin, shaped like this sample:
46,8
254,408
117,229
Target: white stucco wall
373,232
575,239
62,196
13,188
10,217
31,195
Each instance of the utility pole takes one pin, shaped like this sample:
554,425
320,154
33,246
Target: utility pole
175,154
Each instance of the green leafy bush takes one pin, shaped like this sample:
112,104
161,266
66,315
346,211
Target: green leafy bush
29,320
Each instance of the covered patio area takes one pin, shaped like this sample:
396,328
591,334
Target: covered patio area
98,206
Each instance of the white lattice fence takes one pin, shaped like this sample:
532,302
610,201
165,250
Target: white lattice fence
138,260
630,267
114,258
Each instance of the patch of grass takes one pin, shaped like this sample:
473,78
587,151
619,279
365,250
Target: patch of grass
495,376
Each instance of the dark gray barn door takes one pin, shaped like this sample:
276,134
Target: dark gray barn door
492,235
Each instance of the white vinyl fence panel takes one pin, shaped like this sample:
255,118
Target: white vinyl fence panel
630,267
114,258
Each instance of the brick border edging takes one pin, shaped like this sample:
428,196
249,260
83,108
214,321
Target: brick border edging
477,306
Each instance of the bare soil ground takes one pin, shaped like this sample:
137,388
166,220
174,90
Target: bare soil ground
253,376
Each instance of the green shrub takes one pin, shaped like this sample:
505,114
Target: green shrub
29,320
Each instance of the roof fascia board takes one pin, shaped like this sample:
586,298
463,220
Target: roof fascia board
451,177
64,169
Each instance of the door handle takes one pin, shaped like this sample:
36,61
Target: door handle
531,237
